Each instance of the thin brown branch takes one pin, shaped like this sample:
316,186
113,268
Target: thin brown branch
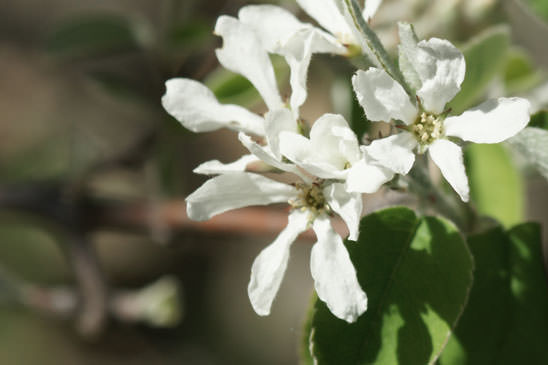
92,302
258,221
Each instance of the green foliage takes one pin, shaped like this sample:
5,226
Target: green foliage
540,7
506,320
187,35
92,35
119,86
417,273
496,186
539,120
485,57
520,73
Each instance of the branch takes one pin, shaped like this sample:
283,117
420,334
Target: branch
172,216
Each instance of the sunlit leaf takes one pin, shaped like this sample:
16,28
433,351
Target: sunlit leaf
496,187
520,73
506,319
417,273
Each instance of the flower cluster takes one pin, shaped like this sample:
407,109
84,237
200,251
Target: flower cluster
330,168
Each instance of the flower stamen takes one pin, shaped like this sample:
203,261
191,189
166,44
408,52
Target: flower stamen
310,198
427,128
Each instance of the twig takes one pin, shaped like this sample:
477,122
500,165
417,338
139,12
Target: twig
267,221
92,313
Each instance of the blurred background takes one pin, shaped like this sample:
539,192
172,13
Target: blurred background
98,263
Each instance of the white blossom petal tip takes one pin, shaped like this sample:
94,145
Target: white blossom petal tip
197,109
269,267
441,68
348,206
382,98
394,152
490,122
334,274
215,167
448,156
235,190
243,53
370,8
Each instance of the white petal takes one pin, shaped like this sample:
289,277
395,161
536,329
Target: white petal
441,68
272,24
407,54
381,97
334,275
367,176
448,157
328,15
394,152
269,267
277,121
298,149
347,205
267,156
215,167
235,190
333,139
331,148
491,122
281,32
195,106
370,8
243,53
298,50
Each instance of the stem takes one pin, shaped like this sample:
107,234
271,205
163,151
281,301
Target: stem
375,45
420,182
93,291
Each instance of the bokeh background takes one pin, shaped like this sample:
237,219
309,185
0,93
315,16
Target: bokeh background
93,173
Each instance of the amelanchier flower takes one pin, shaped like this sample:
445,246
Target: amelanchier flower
247,40
312,203
333,152
435,69
333,171
332,15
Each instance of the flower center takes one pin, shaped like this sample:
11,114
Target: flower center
427,128
310,198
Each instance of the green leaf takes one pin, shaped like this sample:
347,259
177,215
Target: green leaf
539,120
483,325
532,143
506,320
520,74
492,175
540,7
92,35
119,86
187,35
485,57
417,273
528,336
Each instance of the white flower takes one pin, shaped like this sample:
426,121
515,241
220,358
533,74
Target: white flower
334,275
435,69
247,41
333,152
333,16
